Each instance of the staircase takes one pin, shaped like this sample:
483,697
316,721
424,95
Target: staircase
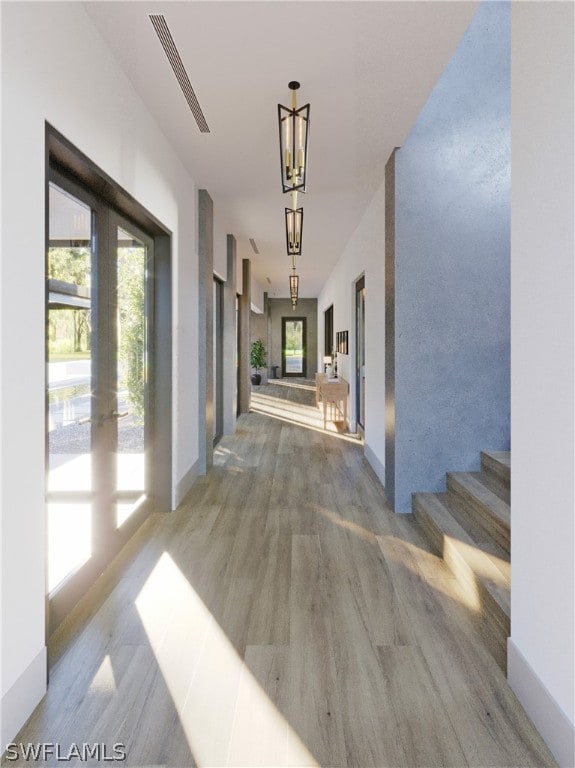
470,526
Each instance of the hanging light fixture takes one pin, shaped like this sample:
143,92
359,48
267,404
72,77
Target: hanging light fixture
293,127
293,286
294,230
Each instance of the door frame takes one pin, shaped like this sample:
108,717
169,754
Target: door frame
218,353
359,345
69,168
328,341
303,374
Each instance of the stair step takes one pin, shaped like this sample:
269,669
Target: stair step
485,577
496,468
478,501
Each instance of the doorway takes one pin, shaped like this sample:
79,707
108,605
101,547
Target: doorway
218,362
294,344
360,352
238,345
101,405
328,349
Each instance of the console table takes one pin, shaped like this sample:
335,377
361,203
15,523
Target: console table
319,378
334,392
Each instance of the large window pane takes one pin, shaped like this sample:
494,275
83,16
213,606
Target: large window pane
69,382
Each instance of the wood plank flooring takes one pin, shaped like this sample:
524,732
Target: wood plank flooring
283,616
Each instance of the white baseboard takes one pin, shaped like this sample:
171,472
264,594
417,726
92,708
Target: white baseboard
375,463
186,483
21,699
547,716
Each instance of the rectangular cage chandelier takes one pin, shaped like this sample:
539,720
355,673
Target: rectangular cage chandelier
294,287
294,230
294,129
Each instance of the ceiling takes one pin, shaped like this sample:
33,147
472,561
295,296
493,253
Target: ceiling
366,68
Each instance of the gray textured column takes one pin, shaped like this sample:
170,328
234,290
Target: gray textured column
206,330
450,328
230,339
390,328
245,312
268,331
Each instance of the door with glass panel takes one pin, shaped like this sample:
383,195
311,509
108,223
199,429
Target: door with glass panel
99,268
294,361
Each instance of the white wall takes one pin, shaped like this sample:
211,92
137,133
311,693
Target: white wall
49,72
542,644
364,254
257,295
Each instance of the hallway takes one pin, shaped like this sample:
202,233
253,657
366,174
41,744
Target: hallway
284,616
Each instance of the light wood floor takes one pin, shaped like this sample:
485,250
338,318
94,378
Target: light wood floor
284,616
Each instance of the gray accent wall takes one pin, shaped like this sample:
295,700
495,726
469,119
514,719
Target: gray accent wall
278,308
244,352
259,330
230,331
390,334
206,329
163,413
450,335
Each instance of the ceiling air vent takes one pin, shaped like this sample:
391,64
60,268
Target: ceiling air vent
253,244
167,41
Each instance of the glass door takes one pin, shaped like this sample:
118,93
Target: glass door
99,312
294,346
70,370
129,408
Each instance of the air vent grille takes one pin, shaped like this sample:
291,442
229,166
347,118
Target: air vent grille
167,41
253,244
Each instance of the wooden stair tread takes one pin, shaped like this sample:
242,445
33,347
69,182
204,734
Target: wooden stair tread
501,457
491,572
496,468
470,484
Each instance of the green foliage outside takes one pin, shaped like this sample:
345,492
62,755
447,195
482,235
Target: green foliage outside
132,328
258,355
293,338
69,330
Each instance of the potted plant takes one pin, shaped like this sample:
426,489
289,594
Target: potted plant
257,359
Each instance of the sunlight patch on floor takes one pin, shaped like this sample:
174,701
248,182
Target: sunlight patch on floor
227,717
409,556
292,384
104,680
309,417
341,522
288,406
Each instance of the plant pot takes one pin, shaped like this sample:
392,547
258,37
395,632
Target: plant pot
256,378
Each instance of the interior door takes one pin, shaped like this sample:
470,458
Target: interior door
99,312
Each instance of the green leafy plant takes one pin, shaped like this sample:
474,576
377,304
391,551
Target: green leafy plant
258,355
